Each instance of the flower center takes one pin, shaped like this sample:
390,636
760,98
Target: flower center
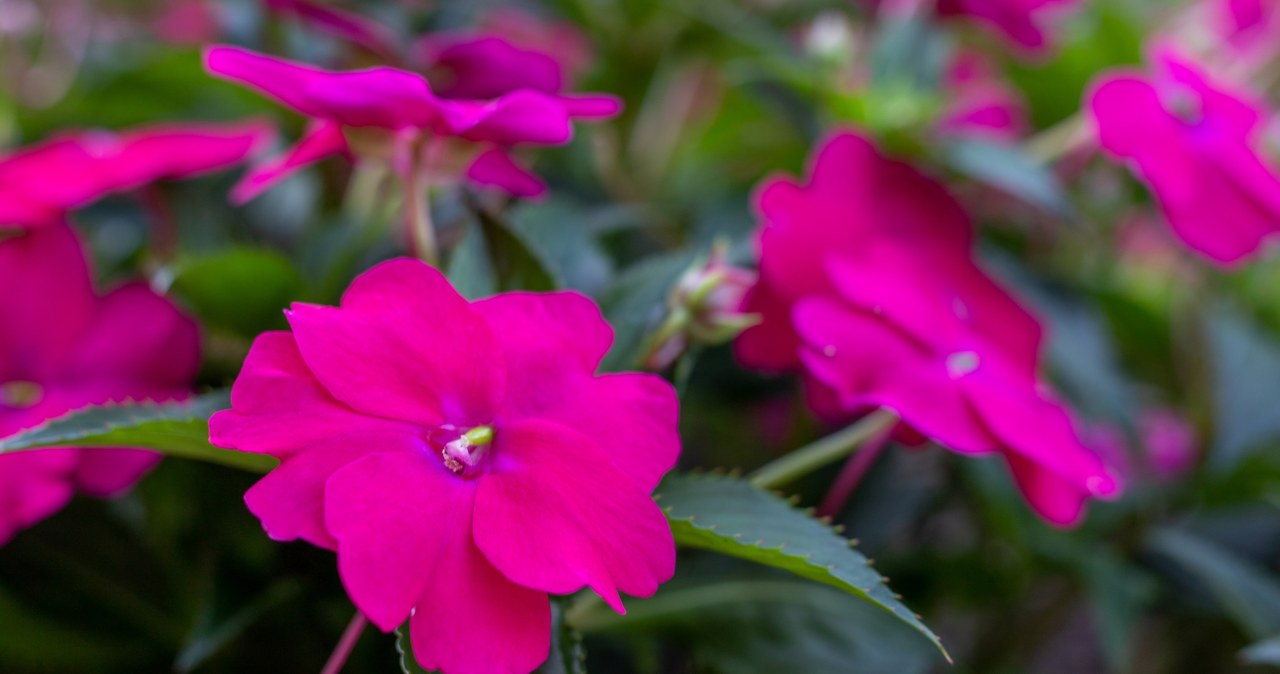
462,451
962,363
20,394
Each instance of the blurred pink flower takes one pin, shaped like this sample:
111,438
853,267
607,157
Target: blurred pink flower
1246,23
394,115
979,102
65,347
188,22
1021,22
462,458
867,284
1170,442
39,185
509,50
1193,143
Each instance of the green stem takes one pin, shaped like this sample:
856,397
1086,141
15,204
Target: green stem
815,455
1057,140
422,231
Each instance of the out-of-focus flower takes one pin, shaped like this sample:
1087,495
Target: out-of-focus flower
1247,23
462,458
393,115
1170,442
705,307
188,22
1022,22
867,283
347,26
561,40
64,347
1192,142
39,185
979,102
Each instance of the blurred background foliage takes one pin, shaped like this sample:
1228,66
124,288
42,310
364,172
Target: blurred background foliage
1180,576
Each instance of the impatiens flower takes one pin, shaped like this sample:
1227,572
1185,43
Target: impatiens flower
1019,21
63,347
1193,142
39,185
395,116
979,103
462,458
868,285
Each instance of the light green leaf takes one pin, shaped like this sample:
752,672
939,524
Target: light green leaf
174,429
732,517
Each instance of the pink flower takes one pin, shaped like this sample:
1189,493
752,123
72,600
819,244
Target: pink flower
867,284
1193,143
188,22
1246,24
1170,442
1021,22
394,114
979,103
463,459
39,185
65,347
511,50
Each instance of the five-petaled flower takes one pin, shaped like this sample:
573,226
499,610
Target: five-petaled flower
1194,144
867,283
63,347
462,458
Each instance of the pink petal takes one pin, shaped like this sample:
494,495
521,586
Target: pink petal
322,139
106,473
138,337
1058,501
472,620
870,363
554,514
183,151
1127,113
403,345
591,106
51,298
395,517
487,67
519,117
278,407
771,344
536,328
496,167
290,499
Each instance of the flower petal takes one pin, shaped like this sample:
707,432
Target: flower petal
394,516
496,167
472,620
42,264
553,513
322,139
278,407
33,486
106,473
404,345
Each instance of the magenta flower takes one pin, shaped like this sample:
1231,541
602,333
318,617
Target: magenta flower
394,115
1248,25
867,284
1193,143
1021,22
980,103
64,347
39,185
463,459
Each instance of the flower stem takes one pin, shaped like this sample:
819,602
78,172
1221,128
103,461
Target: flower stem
345,644
822,452
1058,140
851,475
422,232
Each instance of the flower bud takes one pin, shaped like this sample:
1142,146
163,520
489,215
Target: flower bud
705,307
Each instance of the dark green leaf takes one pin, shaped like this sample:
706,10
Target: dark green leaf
636,304
175,429
243,290
732,517
1246,384
1245,591
1011,170
493,257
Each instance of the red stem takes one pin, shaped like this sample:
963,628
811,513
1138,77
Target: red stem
856,468
346,644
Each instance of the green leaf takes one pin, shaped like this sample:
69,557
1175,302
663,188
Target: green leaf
1246,382
1247,592
174,429
243,290
566,655
636,304
1011,170
493,257
1265,652
730,516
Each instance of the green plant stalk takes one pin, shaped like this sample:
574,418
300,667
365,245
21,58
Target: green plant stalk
828,450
